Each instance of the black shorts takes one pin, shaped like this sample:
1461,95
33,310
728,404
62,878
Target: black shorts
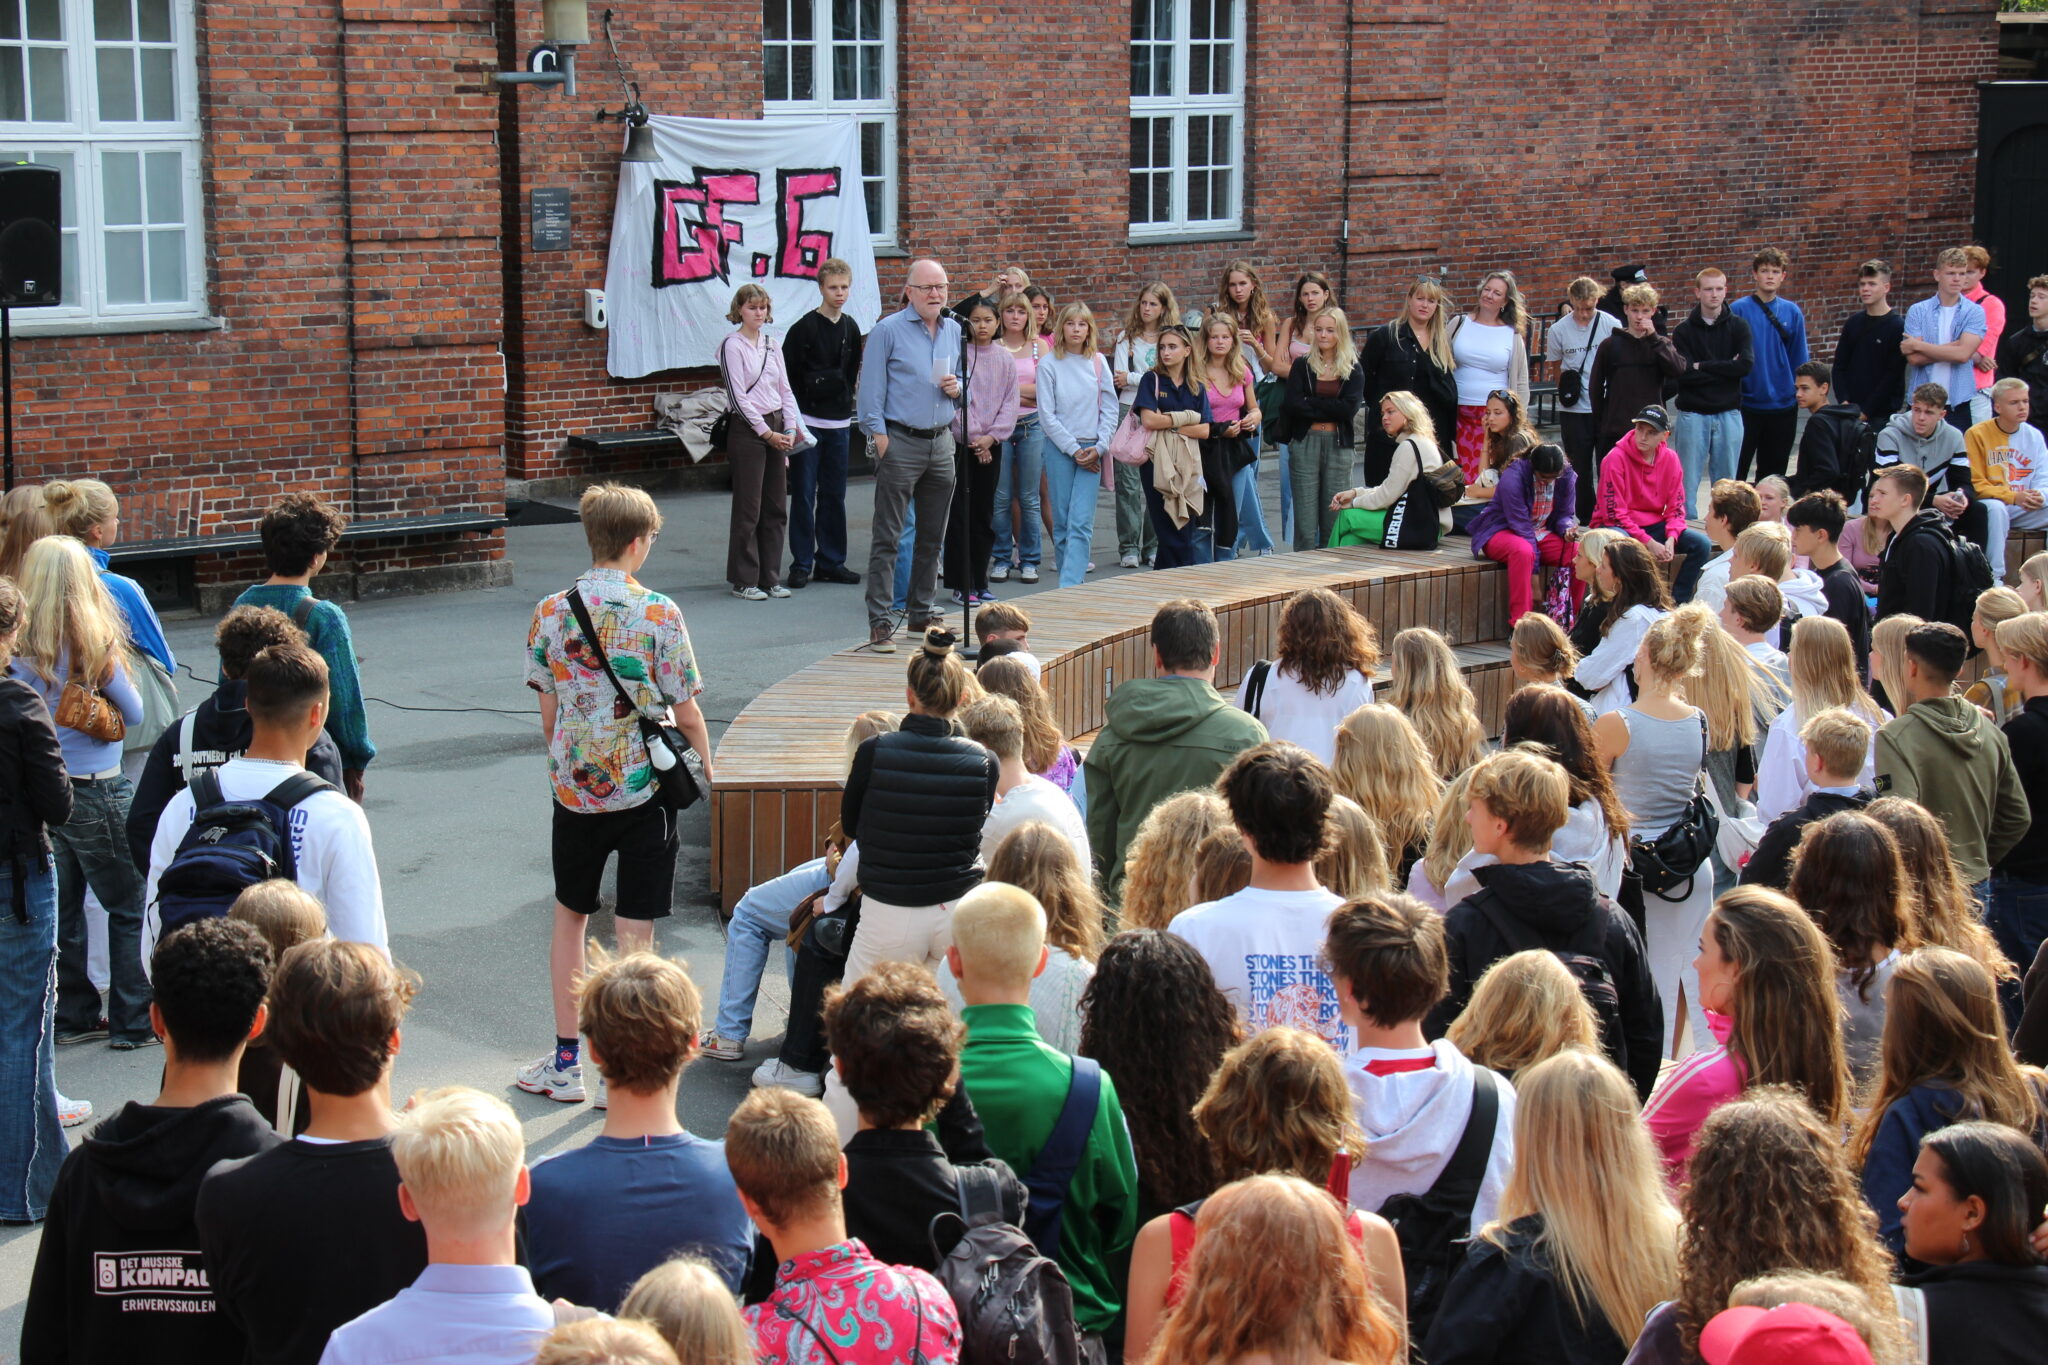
645,838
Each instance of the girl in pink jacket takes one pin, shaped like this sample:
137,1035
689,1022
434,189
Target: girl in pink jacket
1766,977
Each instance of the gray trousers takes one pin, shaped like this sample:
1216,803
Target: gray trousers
919,473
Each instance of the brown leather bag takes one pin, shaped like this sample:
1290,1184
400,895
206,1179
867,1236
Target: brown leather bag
87,710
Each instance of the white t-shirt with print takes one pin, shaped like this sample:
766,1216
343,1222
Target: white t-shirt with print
1265,949
330,844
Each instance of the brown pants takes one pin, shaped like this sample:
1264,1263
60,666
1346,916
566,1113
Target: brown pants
760,507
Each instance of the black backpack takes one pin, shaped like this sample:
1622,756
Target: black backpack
231,846
1015,1305
1581,957
1433,1227
1969,575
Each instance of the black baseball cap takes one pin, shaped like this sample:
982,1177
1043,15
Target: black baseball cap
1655,416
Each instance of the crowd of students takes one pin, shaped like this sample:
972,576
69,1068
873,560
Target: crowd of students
1175,422
1686,1023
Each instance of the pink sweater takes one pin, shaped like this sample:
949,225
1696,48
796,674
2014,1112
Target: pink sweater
1690,1091
1634,495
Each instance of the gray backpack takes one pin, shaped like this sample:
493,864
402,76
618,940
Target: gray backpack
1015,1305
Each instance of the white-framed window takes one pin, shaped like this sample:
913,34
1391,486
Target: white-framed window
107,92
1187,116
838,57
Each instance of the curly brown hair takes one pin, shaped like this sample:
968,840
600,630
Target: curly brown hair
299,528
1279,1102
1847,874
1323,639
1153,1017
897,1043
1157,863
1772,1189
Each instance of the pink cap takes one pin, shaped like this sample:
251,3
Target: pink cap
1790,1334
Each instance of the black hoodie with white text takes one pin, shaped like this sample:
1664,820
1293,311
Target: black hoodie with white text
119,1275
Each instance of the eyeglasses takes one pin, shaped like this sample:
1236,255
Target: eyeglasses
1503,395
928,288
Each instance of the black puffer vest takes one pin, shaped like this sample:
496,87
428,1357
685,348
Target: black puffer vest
928,792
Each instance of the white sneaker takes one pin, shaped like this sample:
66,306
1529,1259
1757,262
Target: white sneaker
721,1049
71,1113
542,1077
773,1072
600,1100
778,591
1030,574
1129,561
999,573
750,593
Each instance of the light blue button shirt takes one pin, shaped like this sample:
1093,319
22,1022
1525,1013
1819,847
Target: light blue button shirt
478,1314
896,369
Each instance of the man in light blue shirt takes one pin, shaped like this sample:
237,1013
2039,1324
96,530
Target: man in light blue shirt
462,1174
909,379
1943,333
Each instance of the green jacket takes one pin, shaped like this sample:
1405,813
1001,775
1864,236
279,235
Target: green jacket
1162,736
1018,1084
1943,754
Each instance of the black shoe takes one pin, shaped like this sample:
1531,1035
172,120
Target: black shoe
834,573
93,1034
133,1044
798,578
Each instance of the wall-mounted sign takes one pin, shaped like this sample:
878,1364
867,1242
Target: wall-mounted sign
551,220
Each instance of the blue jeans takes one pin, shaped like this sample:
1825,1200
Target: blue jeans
1697,550
93,850
32,1145
1252,536
1023,460
759,922
817,501
2016,913
906,549
1708,444
1286,495
1073,492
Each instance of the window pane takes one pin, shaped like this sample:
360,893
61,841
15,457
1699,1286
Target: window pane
46,83
871,191
10,20
121,186
775,69
1198,21
802,80
167,267
117,84
46,19
802,23
111,20
871,71
154,20
845,26
871,155
1141,21
13,92
67,192
774,21
871,20
164,177
1198,196
845,72
124,267
1219,192
159,85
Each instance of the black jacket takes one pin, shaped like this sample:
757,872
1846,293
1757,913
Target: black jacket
1506,1306
1830,453
1984,1314
897,1182
221,730
303,1238
120,1274
1870,369
1771,864
1305,406
2024,355
1629,373
1848,603
916,800
1917,569
823,362
1394,360
35,789
2026,734
1559,908
1717,355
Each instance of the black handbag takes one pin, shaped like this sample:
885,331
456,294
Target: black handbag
1676,856
676,786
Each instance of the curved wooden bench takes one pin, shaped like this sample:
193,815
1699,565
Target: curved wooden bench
781,761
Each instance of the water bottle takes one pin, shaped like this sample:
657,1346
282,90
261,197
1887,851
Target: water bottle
658,752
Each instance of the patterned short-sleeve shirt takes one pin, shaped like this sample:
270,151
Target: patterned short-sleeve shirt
597,759
839,1304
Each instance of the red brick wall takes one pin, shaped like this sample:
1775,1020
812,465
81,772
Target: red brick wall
392,340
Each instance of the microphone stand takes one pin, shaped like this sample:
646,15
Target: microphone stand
965,487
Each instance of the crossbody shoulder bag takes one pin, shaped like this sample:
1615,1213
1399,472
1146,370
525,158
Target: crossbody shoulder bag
675,785
721,426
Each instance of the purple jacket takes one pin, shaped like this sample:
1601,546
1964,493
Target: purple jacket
1512,497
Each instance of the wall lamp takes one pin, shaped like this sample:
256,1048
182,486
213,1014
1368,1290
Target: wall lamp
565,26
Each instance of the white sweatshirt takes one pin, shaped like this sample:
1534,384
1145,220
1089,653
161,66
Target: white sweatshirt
1412,1122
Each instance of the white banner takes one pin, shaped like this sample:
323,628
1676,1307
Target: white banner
731,202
